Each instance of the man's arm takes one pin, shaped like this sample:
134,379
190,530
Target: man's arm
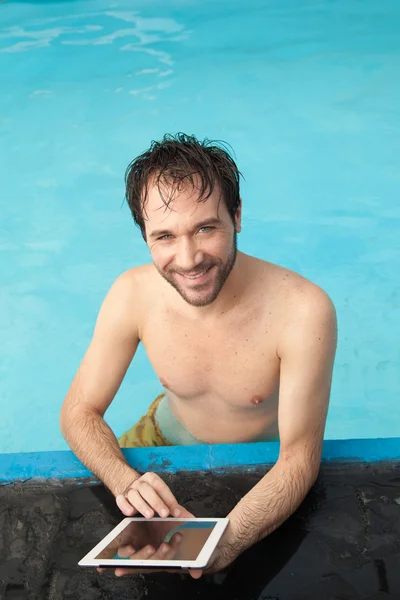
307,354
95,384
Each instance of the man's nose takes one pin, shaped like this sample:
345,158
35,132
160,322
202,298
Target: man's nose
188,255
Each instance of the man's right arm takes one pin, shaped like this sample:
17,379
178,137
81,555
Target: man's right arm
114,343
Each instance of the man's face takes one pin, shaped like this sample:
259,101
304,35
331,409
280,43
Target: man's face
192,243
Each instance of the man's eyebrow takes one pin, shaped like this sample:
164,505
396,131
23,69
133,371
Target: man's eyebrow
205,223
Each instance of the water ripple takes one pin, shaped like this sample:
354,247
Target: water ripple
146,31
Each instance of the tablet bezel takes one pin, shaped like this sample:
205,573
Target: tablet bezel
89,560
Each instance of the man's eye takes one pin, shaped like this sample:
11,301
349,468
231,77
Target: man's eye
164,237
206,228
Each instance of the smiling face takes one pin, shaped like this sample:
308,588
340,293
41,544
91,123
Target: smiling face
192,242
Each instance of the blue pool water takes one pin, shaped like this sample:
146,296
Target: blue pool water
308,95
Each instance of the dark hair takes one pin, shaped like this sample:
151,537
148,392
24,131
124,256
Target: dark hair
178,159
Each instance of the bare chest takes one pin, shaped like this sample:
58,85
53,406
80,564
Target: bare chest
235,362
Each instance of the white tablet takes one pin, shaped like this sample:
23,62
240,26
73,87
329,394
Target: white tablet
158,543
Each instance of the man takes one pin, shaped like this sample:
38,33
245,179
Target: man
243,348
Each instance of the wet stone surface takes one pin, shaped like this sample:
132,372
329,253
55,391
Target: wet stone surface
342,544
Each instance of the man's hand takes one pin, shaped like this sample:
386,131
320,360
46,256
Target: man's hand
148,495
224,554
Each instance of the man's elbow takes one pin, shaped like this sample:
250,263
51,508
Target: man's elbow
304,467
65,419
72,415
314,472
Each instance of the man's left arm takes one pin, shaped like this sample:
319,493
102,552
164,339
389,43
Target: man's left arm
307,352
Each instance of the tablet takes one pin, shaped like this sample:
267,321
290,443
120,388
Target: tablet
158,543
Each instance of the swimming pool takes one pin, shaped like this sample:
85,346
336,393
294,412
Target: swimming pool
309,98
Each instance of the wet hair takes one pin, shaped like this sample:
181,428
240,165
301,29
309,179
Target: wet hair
175,161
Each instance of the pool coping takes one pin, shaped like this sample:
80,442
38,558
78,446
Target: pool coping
63,464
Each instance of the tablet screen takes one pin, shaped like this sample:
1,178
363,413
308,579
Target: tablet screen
138,534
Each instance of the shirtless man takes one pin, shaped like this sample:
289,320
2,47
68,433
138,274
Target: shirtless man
243,348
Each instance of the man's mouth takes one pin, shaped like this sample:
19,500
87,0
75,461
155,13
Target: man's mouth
194,276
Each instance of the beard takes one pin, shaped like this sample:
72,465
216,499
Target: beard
204,297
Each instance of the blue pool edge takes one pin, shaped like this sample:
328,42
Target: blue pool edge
63,464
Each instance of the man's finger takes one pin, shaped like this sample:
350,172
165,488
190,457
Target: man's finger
140,504
176,540
164,493
125,506
195,573
149,494
144,553
164,552
125,551
120,571
172,546
167,550
185,514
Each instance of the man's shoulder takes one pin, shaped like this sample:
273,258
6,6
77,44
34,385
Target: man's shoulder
296,289
135,278
130,287
306,296
305,307
293,297
127,298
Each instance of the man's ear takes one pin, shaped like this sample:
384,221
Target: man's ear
238,218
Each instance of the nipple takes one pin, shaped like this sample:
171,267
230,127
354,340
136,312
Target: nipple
256,400
163,382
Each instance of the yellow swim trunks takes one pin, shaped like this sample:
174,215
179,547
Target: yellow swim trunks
146,432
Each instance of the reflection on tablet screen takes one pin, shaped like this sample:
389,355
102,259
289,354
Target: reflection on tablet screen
138,534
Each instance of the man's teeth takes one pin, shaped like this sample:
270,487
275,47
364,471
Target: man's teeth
195,276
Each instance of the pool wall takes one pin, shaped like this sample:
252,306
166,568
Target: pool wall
218,457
